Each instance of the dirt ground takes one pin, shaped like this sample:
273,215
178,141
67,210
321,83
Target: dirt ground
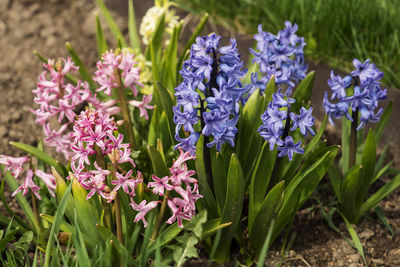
45,26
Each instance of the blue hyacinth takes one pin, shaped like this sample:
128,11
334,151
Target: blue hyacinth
278,121
279,55
208,98
364,97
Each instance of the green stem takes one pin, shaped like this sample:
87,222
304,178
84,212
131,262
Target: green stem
118,220
353,138
159,218
35,209
123,104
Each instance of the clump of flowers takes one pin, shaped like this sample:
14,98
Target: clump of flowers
94,134
209,94
280,56
15,166
60,99
278,121
363,98
120,70
149,21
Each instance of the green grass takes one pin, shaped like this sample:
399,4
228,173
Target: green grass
336,31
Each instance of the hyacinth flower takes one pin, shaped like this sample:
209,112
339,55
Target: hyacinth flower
61,100
208,98
359,93
15,166
280,56
120,71
277,123
102,164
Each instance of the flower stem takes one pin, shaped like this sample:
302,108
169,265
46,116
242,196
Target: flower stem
118,220
206,151
159,218
35,209
123,104
353,138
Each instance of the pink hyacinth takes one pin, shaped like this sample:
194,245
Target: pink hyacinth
59,99
127,184
48,180
143,105
143,209
28,184
14,165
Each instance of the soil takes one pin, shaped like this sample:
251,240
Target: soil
45,26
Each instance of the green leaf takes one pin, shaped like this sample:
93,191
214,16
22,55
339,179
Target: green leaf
382,171
315,140
265,247
187,249
260,179
158,163
153,128
132,28
368,167
346,126
42,156
156,42
101,41
351,184
355,238
8,237
303,92
208,197
379,212
191,41
82,68
383,122
249,123
267,212
111,22
380,194
167,104
335,179
56,225
269,91
233,207
303,184
23,203
81,251
219,180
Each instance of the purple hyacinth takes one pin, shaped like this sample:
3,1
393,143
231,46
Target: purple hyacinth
364,97
278,121
280,55
208,98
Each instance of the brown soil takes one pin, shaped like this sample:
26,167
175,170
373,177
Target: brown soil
45,26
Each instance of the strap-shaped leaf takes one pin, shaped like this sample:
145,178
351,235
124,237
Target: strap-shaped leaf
208,197
166,103
153,128
132,28
101,40
356,240
233,207
350,186
42,156
260,178
335,179
158,163
368,163
267,212
111,22
56,224
303,92
380,194
345,159
170,59
219,181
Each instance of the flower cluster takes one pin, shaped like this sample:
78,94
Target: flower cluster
149,21
15,166
180,189
209,94
60,99
116,69
277,122
364,97
279,55
94,134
